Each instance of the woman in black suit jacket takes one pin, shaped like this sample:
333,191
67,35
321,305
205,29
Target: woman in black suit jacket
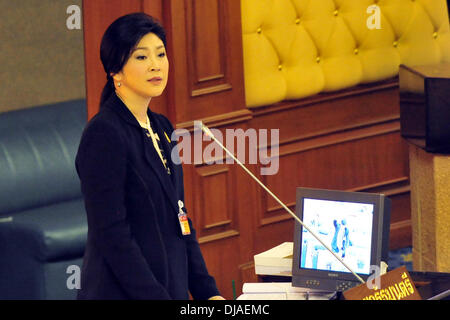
140,245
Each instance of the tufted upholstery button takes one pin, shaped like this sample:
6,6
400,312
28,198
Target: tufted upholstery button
297,21
259,30
435,35
395,44
318,59
335,13
280,67
356,51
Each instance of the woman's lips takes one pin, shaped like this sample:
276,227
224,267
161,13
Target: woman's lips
155,80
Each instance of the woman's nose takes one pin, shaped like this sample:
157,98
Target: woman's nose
153,65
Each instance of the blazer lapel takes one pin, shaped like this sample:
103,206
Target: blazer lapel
176,169
150,153
154,161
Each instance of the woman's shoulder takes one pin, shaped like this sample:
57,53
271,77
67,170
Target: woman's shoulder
104,124
104,120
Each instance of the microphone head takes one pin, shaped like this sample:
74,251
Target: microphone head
204,128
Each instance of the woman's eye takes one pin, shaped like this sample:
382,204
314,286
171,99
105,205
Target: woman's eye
141,57
162,55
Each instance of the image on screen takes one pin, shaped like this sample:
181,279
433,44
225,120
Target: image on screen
346,227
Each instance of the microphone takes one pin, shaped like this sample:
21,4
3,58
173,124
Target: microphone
208,132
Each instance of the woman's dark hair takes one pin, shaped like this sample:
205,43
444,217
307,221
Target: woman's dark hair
119,40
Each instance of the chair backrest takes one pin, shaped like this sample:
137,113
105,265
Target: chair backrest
297,48
37,155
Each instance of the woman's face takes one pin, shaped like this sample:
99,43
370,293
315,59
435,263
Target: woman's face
146,71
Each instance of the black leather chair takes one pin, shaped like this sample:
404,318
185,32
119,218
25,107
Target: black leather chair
43,227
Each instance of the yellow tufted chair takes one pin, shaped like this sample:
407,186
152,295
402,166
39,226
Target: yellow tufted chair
297,48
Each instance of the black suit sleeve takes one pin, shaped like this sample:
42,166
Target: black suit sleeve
101,166
201,284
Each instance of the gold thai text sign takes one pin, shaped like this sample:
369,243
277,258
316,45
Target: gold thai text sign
394,285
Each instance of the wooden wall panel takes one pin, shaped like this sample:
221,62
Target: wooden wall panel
153,8
327,113
223,259
207,47
215,210
207,77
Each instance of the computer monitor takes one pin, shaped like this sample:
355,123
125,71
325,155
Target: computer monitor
355,225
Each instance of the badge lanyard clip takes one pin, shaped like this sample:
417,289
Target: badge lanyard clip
182,218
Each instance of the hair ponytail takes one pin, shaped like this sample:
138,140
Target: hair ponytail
107,91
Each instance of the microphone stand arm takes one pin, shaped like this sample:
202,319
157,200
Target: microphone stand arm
208,132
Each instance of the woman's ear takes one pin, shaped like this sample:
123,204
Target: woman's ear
116,76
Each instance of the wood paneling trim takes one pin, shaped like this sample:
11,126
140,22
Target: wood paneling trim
217,224
226,119
211,89
247,274
389,187
404,224
335,137
277,218
354,92
218,236
366,129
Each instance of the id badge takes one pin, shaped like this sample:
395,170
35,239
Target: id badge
183,220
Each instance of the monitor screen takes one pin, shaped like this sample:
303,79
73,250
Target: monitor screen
354,225
345,226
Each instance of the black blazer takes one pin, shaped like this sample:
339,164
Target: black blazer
135,248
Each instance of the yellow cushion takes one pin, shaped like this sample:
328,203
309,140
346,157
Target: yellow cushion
297,48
